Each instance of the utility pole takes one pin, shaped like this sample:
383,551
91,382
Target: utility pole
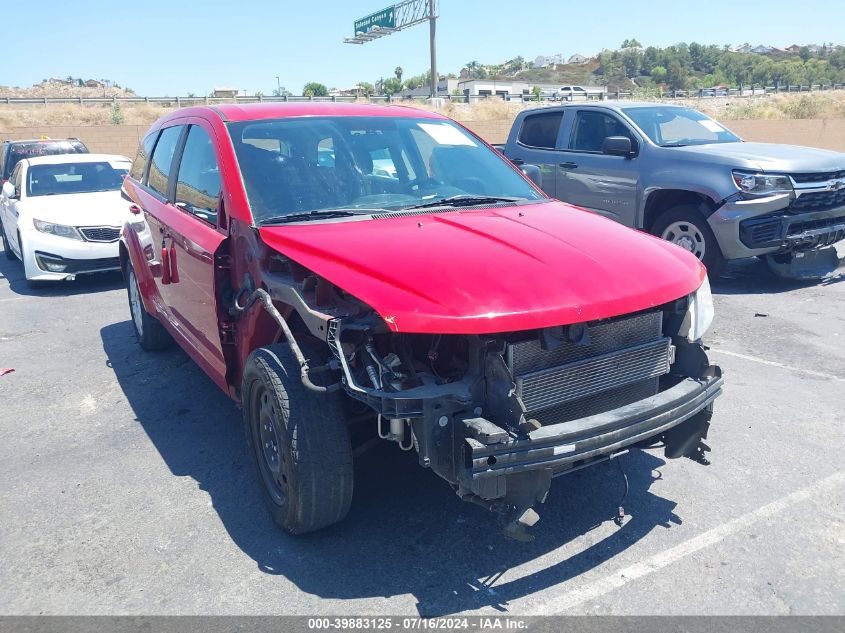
432,21
278,86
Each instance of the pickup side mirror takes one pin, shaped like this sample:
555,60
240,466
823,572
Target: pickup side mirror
9,190
617,146
533,174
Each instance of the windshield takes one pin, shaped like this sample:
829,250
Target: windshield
671,126
64,178
299,166
30,149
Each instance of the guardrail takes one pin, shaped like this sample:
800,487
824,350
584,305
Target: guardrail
189,101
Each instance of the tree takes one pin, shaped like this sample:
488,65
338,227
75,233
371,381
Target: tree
536,91
314,89
366,88
281,91
676,76
632,43
398,72
632,60
658,74
391,86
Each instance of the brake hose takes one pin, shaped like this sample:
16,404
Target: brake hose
263,297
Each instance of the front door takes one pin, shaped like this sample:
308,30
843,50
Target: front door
180,207
593,180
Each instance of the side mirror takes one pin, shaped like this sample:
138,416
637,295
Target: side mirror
533,174
617,146
9,190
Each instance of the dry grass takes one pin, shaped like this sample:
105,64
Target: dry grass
12,116
827,105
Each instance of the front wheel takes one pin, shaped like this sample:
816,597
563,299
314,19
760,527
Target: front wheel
686,227
7,249
299,441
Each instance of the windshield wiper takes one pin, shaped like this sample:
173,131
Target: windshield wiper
463,201
674,145
318,213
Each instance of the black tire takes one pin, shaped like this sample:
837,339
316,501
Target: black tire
7,250
299,441
695,235
149,331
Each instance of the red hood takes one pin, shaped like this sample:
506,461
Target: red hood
499,270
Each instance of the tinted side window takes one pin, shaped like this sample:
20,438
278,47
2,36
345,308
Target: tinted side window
163,158
139,165
591,128
15,178
198,184
540,130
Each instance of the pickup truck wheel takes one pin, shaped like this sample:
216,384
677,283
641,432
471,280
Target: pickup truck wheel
149,331
7,250
299,441
685,226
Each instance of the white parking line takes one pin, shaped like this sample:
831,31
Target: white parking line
554,605
771,363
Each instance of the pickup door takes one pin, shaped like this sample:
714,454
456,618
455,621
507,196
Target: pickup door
181,208
593,180
536,143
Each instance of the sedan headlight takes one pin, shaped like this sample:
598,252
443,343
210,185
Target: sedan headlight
699,314
762,184
60,230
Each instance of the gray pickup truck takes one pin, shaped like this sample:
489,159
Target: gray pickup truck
678,174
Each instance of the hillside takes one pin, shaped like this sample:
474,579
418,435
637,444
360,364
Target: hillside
68,88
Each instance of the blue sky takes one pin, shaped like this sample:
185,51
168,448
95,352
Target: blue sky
170,47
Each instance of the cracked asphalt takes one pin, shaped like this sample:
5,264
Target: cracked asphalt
127,488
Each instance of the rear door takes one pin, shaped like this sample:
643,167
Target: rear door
191,235
597,181
537,144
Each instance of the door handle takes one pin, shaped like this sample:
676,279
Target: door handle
517,161
568,165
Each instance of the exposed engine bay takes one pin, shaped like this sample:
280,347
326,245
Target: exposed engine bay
499,415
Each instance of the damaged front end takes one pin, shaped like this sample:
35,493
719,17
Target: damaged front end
499,415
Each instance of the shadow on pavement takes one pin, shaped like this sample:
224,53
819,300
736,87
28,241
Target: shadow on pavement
753,276
407,533
12,271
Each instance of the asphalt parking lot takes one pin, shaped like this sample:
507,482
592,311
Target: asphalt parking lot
127,488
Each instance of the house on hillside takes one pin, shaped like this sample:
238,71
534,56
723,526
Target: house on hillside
762,49
794,48
578,58
93,83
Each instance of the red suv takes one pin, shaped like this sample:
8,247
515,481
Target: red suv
350,270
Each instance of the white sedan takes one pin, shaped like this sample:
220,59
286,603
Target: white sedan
62,215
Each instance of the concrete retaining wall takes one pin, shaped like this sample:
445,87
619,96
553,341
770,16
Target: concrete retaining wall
123,139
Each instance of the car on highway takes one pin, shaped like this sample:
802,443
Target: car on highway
12,152
61,215
676,173
571,93
442,302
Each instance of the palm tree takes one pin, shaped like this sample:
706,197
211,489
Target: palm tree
398,72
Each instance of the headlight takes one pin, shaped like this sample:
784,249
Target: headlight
699,315
57,229
762,184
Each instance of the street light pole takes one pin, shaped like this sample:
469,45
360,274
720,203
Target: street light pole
278,86
432,31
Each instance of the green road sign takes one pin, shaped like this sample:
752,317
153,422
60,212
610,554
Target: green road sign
382,19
